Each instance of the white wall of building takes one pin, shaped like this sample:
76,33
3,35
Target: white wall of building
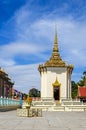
49,77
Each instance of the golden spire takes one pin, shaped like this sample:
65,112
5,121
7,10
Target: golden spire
55,59
55,41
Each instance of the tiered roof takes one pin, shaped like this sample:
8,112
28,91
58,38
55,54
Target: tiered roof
55,59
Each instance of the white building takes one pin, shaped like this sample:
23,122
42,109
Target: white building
55,76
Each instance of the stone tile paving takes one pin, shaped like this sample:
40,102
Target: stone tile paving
49,121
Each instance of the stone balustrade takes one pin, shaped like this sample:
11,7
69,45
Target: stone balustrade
9,102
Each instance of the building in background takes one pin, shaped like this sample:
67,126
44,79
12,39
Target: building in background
6,85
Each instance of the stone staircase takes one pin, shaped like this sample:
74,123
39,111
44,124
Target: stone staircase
44,104
64,105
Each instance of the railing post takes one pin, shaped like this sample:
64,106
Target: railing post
20,103
2,102
7,102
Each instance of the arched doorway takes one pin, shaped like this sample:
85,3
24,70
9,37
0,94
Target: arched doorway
56,90
56,93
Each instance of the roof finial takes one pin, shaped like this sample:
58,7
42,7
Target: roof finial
55,41
55,38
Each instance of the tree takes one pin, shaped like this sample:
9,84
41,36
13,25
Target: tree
74,89
34,92
82,82
84,73
24,96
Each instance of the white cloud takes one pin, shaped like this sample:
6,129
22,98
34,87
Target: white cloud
71,36
13,49
6,62
24,76
36,38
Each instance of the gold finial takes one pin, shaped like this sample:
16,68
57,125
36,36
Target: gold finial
55,41
55,38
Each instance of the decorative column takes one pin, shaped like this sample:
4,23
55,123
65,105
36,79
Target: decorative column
10,91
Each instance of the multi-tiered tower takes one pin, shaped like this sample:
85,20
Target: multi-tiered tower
55,76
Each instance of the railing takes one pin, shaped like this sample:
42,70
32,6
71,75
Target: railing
10,102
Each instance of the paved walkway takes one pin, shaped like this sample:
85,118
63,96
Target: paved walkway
49,121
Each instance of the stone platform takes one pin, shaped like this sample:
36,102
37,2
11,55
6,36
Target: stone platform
24,112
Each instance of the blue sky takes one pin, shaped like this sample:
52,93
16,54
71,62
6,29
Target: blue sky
27,35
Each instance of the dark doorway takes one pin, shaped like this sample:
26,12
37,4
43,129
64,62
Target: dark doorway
56,93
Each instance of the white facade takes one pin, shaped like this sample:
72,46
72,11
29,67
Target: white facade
49,77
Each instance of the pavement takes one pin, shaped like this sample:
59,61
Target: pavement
49,121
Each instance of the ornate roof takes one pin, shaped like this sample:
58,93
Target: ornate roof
55,59
5,76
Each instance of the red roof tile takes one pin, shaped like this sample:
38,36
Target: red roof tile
82,91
